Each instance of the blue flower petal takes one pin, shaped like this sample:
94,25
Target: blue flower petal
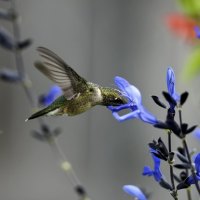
134,192
121,83
9,75
196,133
197,163
170,81
171,84
134,104
190,180
135,94
156,173
118,108
55,90
53,93
131,91
197,31
147,117
156,161
130,115
147,171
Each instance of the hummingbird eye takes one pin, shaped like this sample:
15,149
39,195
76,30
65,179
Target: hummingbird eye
118,101
91,90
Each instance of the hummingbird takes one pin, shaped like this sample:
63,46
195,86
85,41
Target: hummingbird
79,95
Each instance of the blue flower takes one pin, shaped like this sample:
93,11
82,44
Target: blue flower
9,75
171,81
134,191
53,93
134,103
156,173
197,31
196,133
7,41
190,180
197,164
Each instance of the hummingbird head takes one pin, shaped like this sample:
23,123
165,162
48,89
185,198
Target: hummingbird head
112,97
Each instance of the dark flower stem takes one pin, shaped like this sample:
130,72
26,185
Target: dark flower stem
19,60
192,167
174,192
171,167
52,141
185,146
188,190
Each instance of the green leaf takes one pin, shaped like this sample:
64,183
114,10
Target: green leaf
190,7
192,67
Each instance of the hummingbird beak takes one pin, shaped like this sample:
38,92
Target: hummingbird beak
113,97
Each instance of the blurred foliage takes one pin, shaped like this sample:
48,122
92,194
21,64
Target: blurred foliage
190,7
183,26
192,65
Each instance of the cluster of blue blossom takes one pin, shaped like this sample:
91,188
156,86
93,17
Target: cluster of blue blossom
138,111
135,192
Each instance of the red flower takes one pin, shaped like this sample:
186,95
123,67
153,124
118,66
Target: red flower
182,25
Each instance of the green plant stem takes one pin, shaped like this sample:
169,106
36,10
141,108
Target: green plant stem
63,162
66,166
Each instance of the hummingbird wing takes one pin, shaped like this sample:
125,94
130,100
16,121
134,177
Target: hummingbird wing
61,73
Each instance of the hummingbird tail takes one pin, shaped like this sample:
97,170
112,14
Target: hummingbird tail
40,113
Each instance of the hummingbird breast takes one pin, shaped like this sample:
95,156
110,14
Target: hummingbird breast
75,107
83,102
